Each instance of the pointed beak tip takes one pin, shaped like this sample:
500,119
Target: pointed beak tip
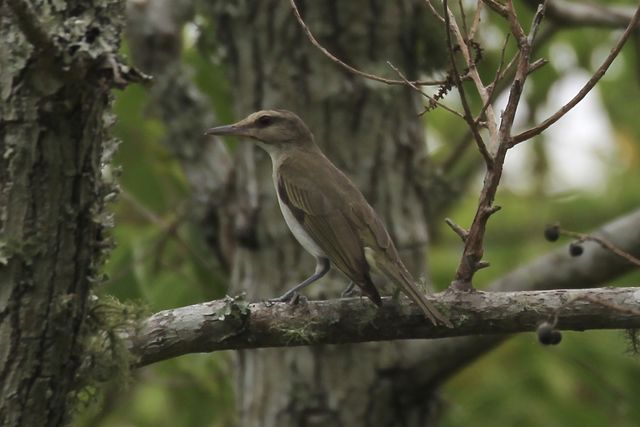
222,130
213,131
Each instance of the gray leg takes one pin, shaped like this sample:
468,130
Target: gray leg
322,267
348,290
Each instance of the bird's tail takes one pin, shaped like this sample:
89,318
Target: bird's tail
405,282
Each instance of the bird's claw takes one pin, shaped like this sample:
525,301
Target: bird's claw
292,298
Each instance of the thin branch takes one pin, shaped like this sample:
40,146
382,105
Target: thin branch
475,76
348,67
494,83
463,19
461,232
234,324
528,134
431,99
464,142
522,69
475,23
468,116
500,9
602,242
535,24
473,252
434,11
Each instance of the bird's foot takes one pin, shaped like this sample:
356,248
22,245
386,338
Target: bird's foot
292,298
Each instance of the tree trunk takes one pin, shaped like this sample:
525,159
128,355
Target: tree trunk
369,130
54,99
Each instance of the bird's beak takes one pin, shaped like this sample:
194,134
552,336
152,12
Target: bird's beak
235,129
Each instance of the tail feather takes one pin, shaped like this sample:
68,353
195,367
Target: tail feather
427,307
406,284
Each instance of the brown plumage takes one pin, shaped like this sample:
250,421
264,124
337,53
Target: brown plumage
325,211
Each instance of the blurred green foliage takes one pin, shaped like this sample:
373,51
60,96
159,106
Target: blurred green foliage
590,379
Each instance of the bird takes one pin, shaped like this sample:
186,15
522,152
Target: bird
325,211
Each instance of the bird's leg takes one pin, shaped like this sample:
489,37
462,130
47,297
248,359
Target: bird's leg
322,267
348,290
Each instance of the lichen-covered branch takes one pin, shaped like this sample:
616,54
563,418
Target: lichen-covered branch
232,324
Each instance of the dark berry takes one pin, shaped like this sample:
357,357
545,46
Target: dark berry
556,337
576,249
552,232
545,332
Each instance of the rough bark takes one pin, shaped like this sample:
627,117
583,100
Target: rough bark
234,325
57,65
370,131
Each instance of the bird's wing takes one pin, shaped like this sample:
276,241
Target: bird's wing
326,222
388,261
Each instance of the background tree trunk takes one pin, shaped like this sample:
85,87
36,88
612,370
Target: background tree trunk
54,99
372,132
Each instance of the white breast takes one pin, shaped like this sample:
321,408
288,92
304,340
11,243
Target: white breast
298,232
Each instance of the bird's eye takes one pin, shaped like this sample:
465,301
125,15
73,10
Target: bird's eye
265,120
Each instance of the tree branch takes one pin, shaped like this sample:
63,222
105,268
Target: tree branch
471,259
468,116
232,324
348,67
163,336
528,134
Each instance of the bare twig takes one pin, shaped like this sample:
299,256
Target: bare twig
537,20
499,8
475,76
494,83
522,71
463,19
465,141
434,11
530,133
468,116
461,232
473,252
348,67
431,99
475,23
602,242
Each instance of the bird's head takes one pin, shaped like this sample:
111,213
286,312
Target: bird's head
275,129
